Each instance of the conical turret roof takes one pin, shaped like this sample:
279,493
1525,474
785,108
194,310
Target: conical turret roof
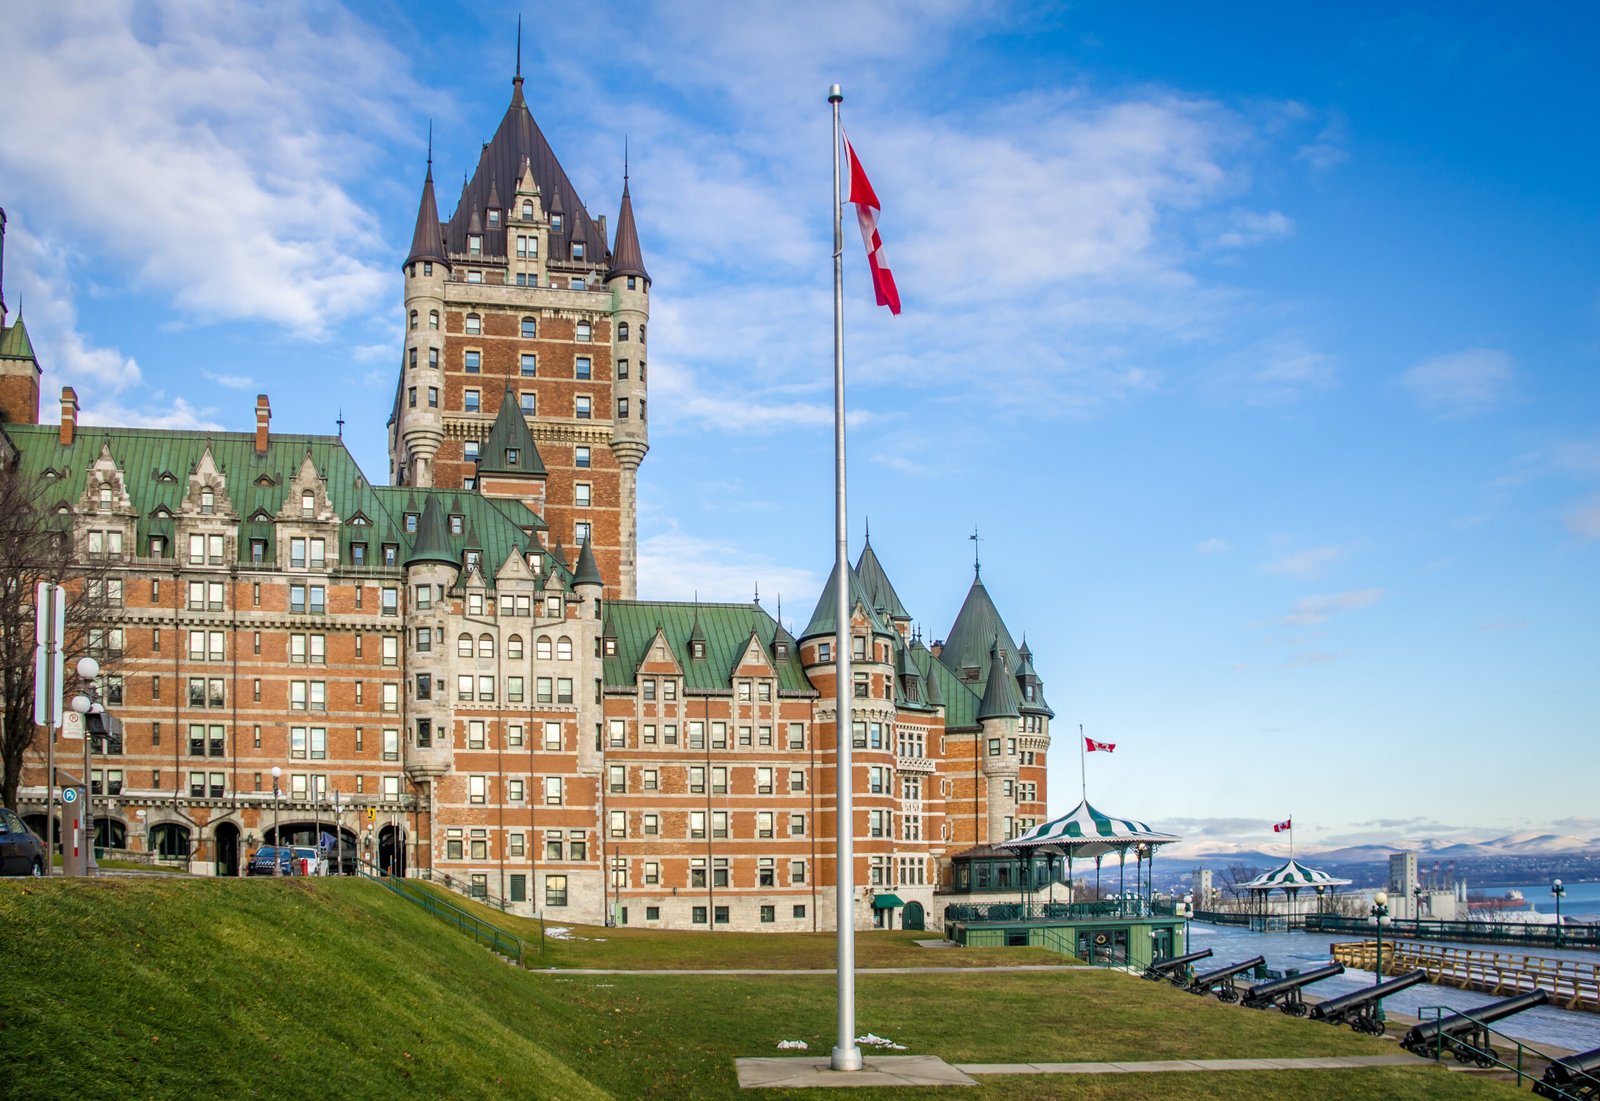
825,619
432,543
626,258
1028,677
875,583
1000,693
510,448
518,138
976,628
14,342
427,240
587,572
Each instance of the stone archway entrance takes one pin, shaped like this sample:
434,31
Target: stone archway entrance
392,850
912,917
227,836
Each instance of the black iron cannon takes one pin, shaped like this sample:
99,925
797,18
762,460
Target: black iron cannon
1574,1076
1222,980
1466,1035
1285,992
1175,967
1361,1009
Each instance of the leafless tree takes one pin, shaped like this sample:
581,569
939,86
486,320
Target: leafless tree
1235,877
37,544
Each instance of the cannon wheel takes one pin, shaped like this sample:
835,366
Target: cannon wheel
1229,996
1486,1058
1368,1025
1297,1009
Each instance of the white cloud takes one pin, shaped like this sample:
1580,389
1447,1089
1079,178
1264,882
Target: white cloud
232,382
209,149
1462,383
1583,519
1251,227
1317,609
1211,546
674,565
1307,563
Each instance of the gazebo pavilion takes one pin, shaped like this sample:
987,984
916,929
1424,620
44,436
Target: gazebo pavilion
1123,930
1291,878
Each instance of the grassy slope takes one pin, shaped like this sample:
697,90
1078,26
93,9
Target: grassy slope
307,988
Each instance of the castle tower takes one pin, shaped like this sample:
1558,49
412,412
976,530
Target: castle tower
19,366
530,296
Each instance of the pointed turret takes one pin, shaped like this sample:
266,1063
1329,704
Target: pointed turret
875,582
1032,687
510,448
1000,693
587,573
626,257
825,619
14,342
977,625
432,543
427,240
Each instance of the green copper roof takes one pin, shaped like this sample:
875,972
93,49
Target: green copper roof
1000,693
510,448
587,572
1028,677
726,629
14,342
432,543
875,583
824,620
495,529
977,625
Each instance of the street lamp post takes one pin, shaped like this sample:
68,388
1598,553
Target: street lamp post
1558,892
1416,903
338,830
83,704
1380,918
277,838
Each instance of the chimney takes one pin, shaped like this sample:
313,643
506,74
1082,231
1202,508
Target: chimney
263,417
69,415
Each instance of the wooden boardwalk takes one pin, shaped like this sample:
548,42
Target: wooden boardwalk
1572,984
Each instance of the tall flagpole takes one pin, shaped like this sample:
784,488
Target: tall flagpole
846,1055
1083,767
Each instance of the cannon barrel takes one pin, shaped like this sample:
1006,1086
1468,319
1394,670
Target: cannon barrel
1334,1010
1202,981
1576,1074
1420,1037
1162,966
1264,994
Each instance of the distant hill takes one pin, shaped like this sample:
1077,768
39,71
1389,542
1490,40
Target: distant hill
1528,843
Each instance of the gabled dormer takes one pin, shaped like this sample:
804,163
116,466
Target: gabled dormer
306,498
753,660
659,658
105,491
208,490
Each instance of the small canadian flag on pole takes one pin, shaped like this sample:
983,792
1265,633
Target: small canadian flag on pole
867,209
1286,824
1097,747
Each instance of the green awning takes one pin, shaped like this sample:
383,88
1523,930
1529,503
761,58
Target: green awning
886,902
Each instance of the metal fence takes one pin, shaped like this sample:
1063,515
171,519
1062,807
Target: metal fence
1472,932
492,937
1045,911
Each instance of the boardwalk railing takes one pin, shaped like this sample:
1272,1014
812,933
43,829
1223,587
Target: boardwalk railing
1573,984
1517,934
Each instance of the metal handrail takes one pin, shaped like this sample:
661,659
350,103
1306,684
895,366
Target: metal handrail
1566,935
1487,1056
496,939
1045,911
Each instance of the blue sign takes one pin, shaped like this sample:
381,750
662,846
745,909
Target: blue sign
69,795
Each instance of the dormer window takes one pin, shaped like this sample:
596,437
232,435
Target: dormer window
555,223
472,558
474,325
513,456
527,208
308,503
456,524
208,500
411,523
577,250
494,219
781,650
697,648
474,244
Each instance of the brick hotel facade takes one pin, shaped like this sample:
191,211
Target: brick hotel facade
461,654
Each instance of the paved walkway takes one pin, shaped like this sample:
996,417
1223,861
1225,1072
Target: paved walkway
813,1071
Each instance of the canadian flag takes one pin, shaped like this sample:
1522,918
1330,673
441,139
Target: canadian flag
867,208
1286,824
1094,746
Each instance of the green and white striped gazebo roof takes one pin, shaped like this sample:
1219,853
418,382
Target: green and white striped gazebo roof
1293,876
1084,831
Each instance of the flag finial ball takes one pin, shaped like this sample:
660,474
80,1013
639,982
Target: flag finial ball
834,95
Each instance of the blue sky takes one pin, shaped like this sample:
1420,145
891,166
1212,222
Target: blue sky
1259,343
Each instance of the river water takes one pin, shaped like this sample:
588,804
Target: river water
1563,1028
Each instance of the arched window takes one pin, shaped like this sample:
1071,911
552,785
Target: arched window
527,208
486,646
563,649
530,327
474,324
541,648
641,332
622,330
464,646
413,319
583,330
514,647
208,499
433,319
308,503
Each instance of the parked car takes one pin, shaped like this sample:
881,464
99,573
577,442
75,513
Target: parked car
291,860
21,851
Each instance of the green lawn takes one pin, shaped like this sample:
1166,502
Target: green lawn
193,988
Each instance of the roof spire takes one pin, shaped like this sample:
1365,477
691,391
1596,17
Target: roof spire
758,594
624,160
869,529
977,566
430,149
340,422
518,78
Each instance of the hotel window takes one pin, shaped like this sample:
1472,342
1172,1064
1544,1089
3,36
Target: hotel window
472,362
528,403
697,779
622,409
580,535
563,689
764,824
552,790
477,789
530,326
583,367
697,828
797,780
763,781
622,368
433,397
622,329
797,825
582,406
470,401
581,494
719,780
555,890
474,247
475,733
618,823
474,276
514,643
618,733
514,689
797,735
529,364
552,735
650,779
433,319
580,457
